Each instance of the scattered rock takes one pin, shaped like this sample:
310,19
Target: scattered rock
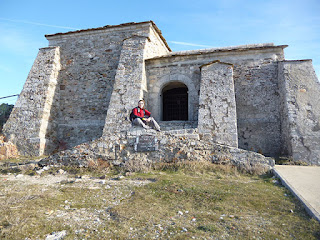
184,229
40,171
57,235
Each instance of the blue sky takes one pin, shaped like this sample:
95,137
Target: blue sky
186,25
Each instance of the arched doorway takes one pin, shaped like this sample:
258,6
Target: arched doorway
175,102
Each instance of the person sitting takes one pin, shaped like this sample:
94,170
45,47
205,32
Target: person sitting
142,117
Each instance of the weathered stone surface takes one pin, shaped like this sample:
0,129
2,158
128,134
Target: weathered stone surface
7,149
255,84
30,125
171,149
217,105
300,110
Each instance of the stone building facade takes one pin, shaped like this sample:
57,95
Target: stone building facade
84,85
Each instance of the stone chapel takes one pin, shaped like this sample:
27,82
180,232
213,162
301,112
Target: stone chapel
82,87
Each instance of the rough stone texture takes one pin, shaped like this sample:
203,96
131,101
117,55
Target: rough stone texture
300,110
30,124
255,82
257,99
90,63
172,148
217,106
7,149
131,74
161,74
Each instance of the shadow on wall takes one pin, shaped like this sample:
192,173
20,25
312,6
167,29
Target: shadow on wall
258,108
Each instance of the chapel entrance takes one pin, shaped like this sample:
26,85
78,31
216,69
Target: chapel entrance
175,102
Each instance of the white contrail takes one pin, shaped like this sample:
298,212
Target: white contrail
190,44
39,24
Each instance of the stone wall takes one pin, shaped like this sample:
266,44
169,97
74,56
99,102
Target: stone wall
217,105
130,83
30,124
256,89
300,90
89,63
258,113
127,88
161,74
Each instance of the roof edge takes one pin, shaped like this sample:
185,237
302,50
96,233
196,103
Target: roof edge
113,26
301,60
215,50
160,35
95,29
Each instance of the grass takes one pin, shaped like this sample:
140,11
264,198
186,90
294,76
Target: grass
185,202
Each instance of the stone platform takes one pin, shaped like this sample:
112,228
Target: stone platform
144,148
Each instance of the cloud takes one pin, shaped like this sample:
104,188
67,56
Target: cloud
39,24
190,44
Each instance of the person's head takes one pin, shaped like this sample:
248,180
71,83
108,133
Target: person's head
141,104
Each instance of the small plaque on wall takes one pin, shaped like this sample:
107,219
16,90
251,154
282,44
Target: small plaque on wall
146,143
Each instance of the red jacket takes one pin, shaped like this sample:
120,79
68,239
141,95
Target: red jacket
139,113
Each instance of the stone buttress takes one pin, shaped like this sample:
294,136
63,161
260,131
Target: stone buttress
217,104
30,121
130,85
300,91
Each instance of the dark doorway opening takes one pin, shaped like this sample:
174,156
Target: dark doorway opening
175,102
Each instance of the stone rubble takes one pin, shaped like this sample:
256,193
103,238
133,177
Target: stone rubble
172,149
7,149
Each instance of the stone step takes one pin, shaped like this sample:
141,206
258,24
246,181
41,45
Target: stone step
188,133
181,131
174,125
188,136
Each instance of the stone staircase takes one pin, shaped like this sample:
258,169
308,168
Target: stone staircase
176,125
186,129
